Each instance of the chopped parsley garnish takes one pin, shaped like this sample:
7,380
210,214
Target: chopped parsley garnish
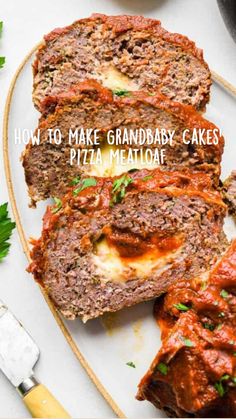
1,26
224,294
85,183
121,92
233,379
75,181
58,205
234,353
225,377
203,286
209,326
162,368
6,227
133,170
220,388
187,342
219,385
119,189
131,364
146,178
181,307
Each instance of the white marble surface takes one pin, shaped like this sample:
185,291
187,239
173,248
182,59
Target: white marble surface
25,22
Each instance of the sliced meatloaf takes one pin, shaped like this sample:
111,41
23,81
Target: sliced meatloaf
88,105
113,242
129,52
194,373
229,192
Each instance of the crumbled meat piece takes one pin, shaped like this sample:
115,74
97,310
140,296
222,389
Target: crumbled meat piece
194,373
229,192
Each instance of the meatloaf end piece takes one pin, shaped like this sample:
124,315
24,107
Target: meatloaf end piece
194,373
122,52
88,105
229,192
114,242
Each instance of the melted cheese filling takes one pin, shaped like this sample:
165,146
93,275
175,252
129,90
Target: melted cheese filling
115,80
112,168
112,267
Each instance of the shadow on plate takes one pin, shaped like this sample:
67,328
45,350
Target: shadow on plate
140,6
112,323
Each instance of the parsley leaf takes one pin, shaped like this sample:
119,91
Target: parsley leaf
121,92
58,206
220,388
209,326
6,227
133,170
181,307
119,189
219,385
2,61
75,181
85,183
204,286
187,342
225,377
224,294
131,364
146,178
162,368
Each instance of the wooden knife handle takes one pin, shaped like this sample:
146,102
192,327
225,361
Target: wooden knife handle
41,404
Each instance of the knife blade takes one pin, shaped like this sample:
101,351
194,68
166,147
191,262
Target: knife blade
18,356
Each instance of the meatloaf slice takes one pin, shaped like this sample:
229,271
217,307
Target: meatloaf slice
194,373
90,106
114,242
229,192
130,52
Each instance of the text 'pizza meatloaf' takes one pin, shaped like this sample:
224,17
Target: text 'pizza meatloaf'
194,373
48,171
114,242
130,52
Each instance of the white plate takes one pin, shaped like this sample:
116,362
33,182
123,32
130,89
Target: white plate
130,335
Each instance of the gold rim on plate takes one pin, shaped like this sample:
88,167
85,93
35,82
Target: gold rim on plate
216,77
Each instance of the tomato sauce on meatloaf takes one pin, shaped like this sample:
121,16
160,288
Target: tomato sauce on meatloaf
113,242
